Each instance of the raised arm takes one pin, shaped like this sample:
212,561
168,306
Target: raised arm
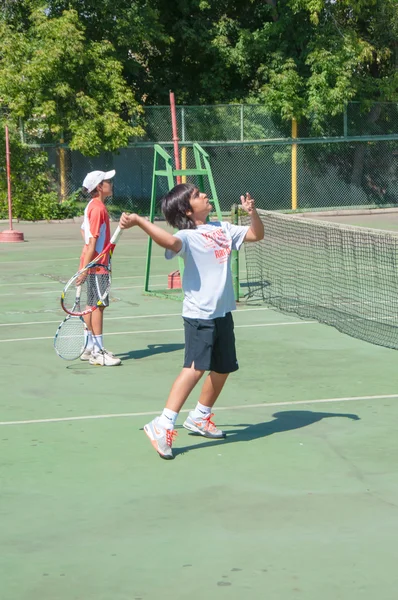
160,236
256,231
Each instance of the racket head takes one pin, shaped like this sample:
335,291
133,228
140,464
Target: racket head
71,337
87,290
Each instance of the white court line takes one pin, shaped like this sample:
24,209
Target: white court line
62,260
108,319
239,310
37,282
239,407
33,339
46,280
131,287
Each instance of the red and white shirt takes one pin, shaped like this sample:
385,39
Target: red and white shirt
96,225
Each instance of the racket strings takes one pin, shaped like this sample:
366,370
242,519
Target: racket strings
71,338
81,294
76,296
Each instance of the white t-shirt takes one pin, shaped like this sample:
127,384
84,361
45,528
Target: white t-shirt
207,280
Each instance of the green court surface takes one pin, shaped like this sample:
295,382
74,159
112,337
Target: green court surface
299,501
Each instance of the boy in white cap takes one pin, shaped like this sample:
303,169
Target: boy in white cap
96,234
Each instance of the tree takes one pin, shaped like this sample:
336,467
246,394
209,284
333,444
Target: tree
64,84
132,27
309,57
298,57
91,63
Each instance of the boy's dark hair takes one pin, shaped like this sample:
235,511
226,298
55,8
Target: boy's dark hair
175,205
94,192
91,194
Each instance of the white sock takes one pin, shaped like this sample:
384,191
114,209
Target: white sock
168,418
90,341
98,343
201,411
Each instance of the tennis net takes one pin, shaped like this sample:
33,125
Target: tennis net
341,275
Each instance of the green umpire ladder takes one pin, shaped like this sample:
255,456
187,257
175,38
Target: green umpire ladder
163,167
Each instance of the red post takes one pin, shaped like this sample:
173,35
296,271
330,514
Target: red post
8,178
175,133
9,235
174,279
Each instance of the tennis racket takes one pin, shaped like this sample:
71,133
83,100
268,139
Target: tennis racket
89,288
71,338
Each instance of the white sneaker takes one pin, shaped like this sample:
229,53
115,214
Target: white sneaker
86,354
103,358
108,352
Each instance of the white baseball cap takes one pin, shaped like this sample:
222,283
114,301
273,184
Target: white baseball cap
94,178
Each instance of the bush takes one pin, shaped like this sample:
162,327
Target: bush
33,184
39,207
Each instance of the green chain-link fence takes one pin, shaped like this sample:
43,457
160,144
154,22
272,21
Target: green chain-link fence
349,160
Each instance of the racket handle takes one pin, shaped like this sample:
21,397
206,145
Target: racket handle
116,235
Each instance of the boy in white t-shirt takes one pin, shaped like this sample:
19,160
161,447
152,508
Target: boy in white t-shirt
208,301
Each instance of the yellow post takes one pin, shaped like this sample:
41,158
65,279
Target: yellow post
62,171
183,163
294,166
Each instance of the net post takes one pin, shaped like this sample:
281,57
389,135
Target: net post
294,166
235,255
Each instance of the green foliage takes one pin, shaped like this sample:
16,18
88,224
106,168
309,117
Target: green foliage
39,207
33,188
81,70
65,85
299,58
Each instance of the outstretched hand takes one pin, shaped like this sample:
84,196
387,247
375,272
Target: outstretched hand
127,221
247,203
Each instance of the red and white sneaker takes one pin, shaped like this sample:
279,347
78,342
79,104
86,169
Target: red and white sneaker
161,438
203,425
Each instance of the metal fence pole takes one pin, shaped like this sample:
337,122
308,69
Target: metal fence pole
184,163
182,124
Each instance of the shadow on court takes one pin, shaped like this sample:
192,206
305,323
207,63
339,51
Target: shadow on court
150,350
283,421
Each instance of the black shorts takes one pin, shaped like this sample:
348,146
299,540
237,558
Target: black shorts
97,285
210,344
